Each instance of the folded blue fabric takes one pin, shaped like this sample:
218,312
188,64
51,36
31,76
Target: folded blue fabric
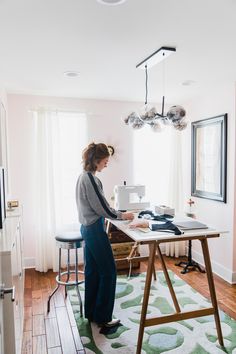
168,225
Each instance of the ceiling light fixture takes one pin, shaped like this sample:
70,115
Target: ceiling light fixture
111,2
176,114
156,57
71,73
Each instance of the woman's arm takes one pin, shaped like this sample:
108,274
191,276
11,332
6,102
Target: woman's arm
99,203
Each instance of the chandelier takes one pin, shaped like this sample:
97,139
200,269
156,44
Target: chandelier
175,116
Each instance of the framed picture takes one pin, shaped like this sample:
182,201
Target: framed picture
2,198
209,158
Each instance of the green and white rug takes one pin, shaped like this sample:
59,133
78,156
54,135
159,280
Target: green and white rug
195,336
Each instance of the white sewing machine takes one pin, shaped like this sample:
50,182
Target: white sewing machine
129,197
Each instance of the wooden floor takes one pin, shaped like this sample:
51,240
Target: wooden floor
56,332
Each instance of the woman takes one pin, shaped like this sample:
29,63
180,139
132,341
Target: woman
100,269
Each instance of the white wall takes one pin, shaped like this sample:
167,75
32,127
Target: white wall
104,125
211,103
3,97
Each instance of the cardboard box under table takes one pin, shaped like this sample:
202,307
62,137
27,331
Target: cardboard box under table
122,245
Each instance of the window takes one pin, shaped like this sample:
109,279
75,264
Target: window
60,139
152,156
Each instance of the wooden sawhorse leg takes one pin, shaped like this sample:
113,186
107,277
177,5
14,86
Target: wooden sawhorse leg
172,292
152,250
212,289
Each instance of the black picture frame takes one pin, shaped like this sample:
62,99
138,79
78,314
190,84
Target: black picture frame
2,198
209,158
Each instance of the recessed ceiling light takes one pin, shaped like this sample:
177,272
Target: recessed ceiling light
111,2
188,82
71,73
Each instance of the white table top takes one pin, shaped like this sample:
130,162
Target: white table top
140,236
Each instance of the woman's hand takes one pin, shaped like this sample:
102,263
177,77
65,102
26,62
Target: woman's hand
143,224
127,216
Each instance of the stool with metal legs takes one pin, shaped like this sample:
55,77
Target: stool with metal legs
69,241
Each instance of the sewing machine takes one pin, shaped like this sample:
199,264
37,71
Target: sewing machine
129,197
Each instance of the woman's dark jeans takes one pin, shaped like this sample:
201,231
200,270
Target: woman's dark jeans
100,273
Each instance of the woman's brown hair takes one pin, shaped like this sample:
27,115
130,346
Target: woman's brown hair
93,154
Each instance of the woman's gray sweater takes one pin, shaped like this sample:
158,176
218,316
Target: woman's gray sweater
91,202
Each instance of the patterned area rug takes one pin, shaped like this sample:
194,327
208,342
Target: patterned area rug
195,336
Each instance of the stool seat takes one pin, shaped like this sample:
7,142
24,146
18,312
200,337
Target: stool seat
69,237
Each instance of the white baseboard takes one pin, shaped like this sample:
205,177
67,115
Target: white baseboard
217,268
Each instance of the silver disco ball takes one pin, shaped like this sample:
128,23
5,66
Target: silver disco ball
130,118
176,113
180,125
156,126
147,114
134,121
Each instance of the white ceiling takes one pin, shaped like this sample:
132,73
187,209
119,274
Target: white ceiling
40,39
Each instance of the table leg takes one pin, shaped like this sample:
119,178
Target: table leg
212,289
152,253
172,292
154,271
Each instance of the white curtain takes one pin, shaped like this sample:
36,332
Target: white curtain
175,189
158,165
59,140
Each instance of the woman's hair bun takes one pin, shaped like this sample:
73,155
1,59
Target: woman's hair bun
92,145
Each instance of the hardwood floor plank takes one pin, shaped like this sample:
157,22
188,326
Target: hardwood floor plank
56,350
28,321
52,278
28,279
39,345
70,312
27,343
67,339
59,299
28,297
36,281
27,312
37,302
78,343
38,325
227,309
52,333
45,283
